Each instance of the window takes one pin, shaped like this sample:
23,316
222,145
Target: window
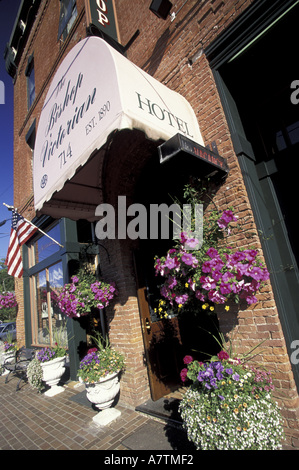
48,322
44,247
29,72
68,14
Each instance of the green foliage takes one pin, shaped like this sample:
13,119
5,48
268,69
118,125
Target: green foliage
35,375
100,361
7,284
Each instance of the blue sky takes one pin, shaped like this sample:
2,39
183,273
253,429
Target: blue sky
8,12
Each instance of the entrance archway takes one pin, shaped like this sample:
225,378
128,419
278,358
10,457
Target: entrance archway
166,340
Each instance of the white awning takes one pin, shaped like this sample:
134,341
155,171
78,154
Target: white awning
95,92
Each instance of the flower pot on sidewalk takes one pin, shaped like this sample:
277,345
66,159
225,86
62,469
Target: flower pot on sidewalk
102,393
53,370
100,370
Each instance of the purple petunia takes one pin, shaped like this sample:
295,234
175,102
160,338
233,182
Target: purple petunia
189,259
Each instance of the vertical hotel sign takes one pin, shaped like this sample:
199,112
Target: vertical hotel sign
101,13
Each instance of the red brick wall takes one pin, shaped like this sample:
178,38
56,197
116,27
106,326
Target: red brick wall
48,53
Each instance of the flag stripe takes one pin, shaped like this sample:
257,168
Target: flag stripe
24,231
14,259
20,233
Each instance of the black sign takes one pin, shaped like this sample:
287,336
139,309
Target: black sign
101,13
187,152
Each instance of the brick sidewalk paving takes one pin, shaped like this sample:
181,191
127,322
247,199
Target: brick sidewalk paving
32,421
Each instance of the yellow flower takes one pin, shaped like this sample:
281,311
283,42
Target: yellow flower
215,420
211,308
239,428
235,397
223,382
180,305
245,405
186,285
244,429
226,308
236,411
208,418
204,306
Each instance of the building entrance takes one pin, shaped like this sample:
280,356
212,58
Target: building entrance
166,340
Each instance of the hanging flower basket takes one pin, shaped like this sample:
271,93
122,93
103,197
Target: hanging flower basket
8,300
84,293
197,274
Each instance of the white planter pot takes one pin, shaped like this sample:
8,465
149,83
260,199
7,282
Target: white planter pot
103,393
52,372
8,358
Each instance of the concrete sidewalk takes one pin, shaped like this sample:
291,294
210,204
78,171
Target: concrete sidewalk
32,421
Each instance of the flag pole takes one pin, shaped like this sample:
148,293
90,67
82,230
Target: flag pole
11,208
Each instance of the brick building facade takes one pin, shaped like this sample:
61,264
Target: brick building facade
219,56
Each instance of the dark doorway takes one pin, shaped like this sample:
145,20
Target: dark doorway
255,87
259,80
166,341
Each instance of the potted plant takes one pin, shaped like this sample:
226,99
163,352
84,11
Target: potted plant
84,293
230,405
52,361
99,370
48,366
9,350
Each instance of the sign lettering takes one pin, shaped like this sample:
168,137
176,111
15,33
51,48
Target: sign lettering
163,114
57,129
101,14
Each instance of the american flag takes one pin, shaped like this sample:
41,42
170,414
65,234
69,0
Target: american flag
20,233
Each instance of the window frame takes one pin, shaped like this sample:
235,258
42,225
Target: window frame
34,311
30,77
33,271
67,16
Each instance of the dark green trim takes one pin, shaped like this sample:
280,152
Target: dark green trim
248,25
276,248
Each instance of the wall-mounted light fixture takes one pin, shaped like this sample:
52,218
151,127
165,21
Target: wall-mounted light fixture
161,8
195,56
